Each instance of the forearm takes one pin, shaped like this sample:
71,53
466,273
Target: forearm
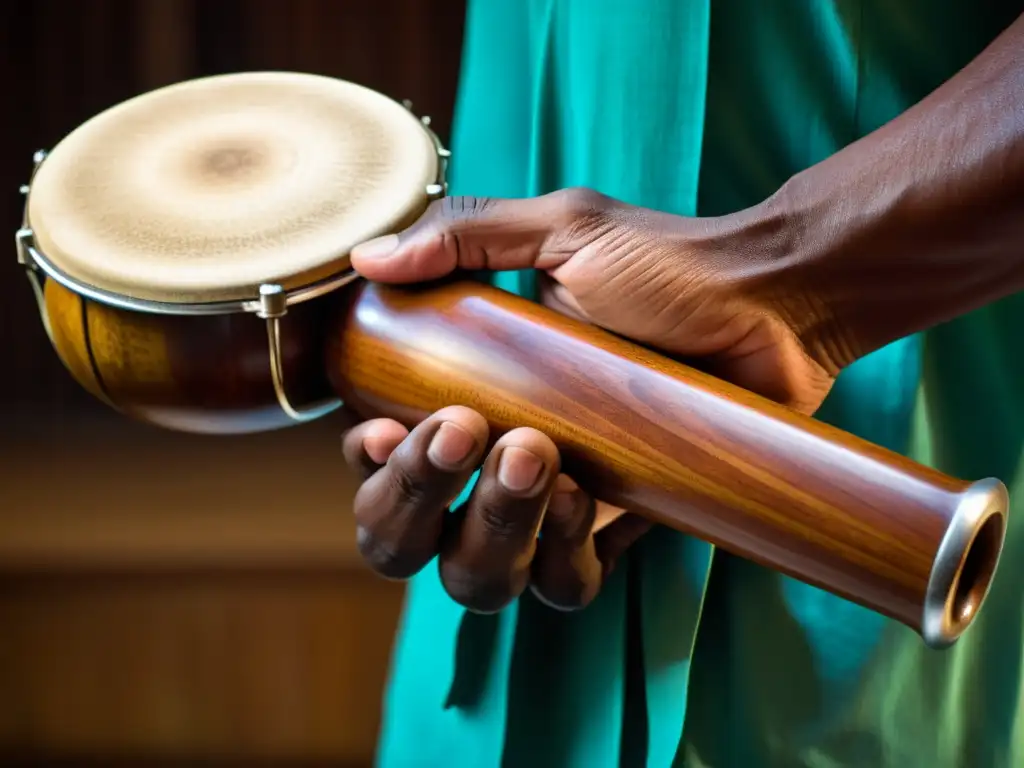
919,222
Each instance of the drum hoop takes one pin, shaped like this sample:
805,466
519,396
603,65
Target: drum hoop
270,295
271,300
270,305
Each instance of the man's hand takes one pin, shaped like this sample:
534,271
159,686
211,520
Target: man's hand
693,288
489,550
674,283
883,239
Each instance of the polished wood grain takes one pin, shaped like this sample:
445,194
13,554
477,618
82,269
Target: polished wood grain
195,374
645,433
635,429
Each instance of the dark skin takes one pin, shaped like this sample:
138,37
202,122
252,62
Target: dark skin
916,224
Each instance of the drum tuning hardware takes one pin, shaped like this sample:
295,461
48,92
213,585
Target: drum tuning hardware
271,304
274,306
24,243
439,189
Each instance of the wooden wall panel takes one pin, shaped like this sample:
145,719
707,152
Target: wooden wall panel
168,596
259,666
268,666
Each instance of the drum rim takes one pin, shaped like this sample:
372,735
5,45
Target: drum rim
272,300
269,293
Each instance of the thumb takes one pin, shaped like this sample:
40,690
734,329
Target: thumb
470,233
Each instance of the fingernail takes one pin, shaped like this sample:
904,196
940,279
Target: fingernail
518,469
378,248
563,498
450,446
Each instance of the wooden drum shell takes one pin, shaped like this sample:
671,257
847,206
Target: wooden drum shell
194,373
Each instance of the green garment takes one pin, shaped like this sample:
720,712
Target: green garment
691,656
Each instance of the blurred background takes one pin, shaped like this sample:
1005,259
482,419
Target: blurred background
170,600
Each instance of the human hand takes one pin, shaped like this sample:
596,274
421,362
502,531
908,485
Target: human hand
679,284
488,550
707,290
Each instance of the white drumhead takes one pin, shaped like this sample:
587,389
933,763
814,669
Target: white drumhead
205,190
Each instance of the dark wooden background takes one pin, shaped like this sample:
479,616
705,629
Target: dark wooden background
169,599
66,60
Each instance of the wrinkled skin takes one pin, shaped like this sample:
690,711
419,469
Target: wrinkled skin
689,287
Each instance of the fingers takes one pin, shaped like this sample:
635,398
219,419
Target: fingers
485,557
566,572
399,509
580,543
613,541
367,446
489,551
476,233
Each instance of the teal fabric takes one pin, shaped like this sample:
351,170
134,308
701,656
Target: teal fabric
698,109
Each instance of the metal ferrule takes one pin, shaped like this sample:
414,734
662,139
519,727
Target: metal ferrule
965,563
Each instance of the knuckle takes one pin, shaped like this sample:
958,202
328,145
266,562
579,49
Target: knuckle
576,203
386,560
452,215
482,592
395,533
497,521
461,207
407,486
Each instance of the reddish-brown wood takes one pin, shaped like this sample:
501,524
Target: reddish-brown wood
655,436
191,374
635,429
